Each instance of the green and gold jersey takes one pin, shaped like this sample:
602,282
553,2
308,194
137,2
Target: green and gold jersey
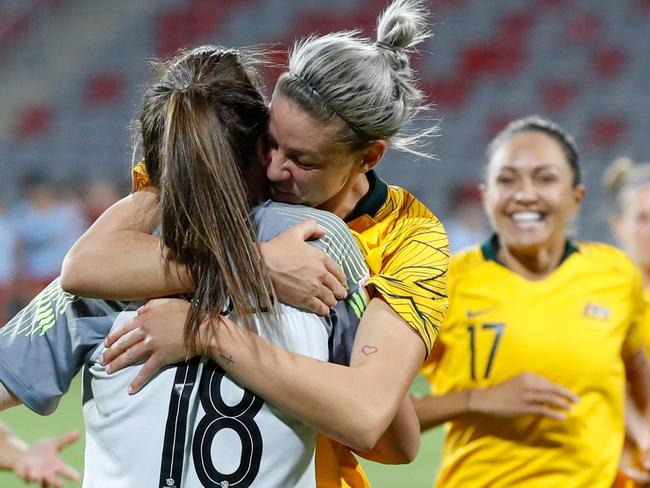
406,249
573,327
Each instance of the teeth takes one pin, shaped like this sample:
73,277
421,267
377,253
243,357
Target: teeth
525,217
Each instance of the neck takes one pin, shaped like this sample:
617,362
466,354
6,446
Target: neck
345,201
533,263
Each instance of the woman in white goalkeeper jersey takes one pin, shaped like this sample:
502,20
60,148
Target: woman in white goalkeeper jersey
202,125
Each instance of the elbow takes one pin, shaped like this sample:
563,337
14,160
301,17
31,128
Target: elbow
368,438
368,430
407,451
71,279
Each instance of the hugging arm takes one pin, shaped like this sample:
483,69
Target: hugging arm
353,405
118,259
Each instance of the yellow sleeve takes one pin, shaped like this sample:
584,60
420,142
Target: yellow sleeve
635,337
413,276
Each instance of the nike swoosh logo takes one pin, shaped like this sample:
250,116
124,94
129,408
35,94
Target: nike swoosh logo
476,313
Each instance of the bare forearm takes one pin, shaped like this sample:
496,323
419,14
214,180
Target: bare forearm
119,259
352,405
128,266
436,410
401,441
332,399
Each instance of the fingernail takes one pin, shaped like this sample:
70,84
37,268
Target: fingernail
130,390
101,359
108,369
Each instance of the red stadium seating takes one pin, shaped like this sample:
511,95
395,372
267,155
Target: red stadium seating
606,130
583,28
33,121
556,95
609,63
103,88
491,59
449,92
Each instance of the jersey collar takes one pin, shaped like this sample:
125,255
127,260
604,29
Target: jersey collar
371,201
490,249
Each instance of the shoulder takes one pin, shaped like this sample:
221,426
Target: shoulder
407,204
272,218
466,259
464,263
604,256
411,216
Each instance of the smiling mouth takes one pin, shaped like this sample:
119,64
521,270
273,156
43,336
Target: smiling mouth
527,219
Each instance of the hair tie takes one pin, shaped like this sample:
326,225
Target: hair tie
388,46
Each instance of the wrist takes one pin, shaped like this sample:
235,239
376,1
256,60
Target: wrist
469,401
14,450
212,338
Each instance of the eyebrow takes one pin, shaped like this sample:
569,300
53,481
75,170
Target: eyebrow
538,168
293,150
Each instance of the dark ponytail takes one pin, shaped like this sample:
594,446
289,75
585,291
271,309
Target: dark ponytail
207,118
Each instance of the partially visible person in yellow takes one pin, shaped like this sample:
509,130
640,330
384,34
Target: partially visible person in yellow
628,184
530,366
342,102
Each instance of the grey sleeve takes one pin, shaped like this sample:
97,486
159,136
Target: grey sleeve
273,218
43,347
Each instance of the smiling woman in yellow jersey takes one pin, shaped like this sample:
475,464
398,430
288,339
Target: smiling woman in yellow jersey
628,184
530,365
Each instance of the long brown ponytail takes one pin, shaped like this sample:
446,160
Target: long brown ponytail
201,124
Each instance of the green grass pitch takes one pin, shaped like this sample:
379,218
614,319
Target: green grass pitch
419,474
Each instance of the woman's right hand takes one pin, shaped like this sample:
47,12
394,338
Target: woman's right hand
302,275
525,394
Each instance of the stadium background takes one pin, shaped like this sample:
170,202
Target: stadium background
72,73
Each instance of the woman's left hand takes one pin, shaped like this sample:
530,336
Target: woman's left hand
155,334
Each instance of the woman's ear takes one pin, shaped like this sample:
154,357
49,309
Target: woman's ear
372,154
579,193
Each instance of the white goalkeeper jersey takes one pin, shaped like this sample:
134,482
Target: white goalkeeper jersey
191,426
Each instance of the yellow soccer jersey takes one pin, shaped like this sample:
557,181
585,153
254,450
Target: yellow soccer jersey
406,249
573,328
407,252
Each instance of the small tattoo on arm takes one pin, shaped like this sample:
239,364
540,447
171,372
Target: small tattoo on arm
368,350
228,360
